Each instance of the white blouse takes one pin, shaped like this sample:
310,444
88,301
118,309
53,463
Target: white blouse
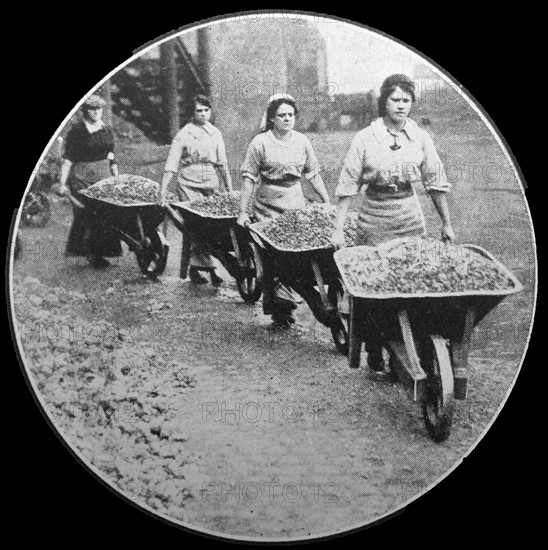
370,159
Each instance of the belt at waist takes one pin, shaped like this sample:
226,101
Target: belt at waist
286,182
91,164
90,172
387,192
185,165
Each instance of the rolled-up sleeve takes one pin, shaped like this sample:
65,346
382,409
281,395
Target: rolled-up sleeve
351,173
175,153
252,162
312,166
433,172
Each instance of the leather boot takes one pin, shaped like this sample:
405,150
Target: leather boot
216,281
195,276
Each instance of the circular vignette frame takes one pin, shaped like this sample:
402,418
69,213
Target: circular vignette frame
471,101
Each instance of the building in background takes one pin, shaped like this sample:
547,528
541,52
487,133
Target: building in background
240,64
250,61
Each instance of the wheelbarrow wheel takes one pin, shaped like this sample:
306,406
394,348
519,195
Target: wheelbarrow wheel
36,210
339,323
438,404
250,279
152,259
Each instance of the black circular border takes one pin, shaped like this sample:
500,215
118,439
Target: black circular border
503,450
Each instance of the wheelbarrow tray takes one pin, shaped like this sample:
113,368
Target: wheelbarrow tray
305,270
451,315
137,225
186,206
121,215
197,219
211,229
258,229
293,263
340,255
224,239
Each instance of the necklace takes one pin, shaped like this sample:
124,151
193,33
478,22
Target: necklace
395,145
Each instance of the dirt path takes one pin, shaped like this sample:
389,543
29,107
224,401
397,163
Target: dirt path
279,437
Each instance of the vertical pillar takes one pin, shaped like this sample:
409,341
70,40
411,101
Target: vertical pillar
170,96
107,111
204,57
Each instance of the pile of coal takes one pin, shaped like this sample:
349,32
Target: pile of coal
126,189
416,265
112,395
218,205
308,228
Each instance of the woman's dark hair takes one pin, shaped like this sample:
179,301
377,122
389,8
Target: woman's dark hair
201,99
394,81
274,106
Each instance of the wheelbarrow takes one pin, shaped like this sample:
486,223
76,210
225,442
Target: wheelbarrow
311,273
428,337
36,210
137,225
225,240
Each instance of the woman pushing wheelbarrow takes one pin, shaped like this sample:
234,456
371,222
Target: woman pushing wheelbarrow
389,158
198,157
89,158
276,160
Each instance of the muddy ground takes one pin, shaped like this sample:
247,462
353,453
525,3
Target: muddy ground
209,415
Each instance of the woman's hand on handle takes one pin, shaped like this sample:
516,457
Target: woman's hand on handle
325,198
243,219
338,238
447,234
61,189
162,201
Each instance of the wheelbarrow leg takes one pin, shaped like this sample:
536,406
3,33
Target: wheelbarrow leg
141,228
320,284
405,358
185,254
236,247
355,337
460,348
323,305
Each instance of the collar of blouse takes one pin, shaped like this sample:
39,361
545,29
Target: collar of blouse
289,139
379,130
95,127
198,128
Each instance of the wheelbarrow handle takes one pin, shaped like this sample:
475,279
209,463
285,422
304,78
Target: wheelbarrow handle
74,200
254,235
175,216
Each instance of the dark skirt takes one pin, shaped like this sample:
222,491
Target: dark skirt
89,236
199,257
